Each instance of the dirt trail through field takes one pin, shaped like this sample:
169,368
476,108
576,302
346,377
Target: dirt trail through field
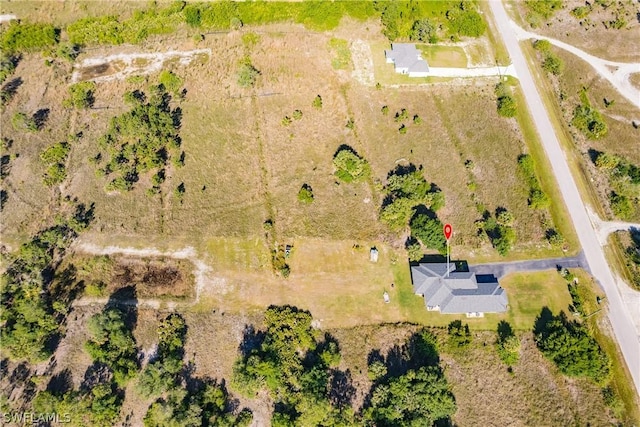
122,65
204,281
617,73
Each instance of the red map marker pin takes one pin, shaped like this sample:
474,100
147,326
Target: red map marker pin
447,231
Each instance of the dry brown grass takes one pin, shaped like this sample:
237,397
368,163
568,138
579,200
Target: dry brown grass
619,117
635,79
616,45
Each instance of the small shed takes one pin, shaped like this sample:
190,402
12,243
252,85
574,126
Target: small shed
373,255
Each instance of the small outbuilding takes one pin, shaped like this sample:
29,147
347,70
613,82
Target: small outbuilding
407,60
373,255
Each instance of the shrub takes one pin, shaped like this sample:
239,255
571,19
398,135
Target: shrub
170,81
7,67
305,195
350,167
297,114
385,110
459,335
507,106
621,205
542,45
581,12
589,121
402,129
317,102
552,64
286,121
247,73
22,122
81,95
544,8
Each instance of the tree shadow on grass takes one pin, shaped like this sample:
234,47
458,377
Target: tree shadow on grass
60,383
341,389
251,339
504,330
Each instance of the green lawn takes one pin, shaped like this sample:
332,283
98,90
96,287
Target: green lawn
443,56
527,292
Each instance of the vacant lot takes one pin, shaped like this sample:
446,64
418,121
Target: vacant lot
590,33
244,164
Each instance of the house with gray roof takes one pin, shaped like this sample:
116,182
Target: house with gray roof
455,292
407,60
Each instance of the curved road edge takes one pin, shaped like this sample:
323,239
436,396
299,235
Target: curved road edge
621,321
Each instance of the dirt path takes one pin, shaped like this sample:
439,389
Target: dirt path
123,65
604,228
617,73
204,281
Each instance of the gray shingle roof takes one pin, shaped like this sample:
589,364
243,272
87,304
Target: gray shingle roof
406,55
459,292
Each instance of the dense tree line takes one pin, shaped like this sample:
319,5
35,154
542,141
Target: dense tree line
32,312
416,394
22,36
294,366
571,347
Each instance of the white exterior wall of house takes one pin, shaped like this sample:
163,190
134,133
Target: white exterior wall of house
418,74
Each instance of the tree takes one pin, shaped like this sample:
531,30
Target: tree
170,81
81,95
112,343
350,167
419,397
508,344
570,346
424,30
317,102
428,229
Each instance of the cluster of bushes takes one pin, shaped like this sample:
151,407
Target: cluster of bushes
31,313
401,117
499,230
22,36
294,366
7,66
538,199
508,344
506,103
54,159
406,190
424,20
81,95
632,257
98,407
551,62
141,140
587,119
23,122
539,11
202,402
350,167
571,347
459,336
297,115
414,393
624,178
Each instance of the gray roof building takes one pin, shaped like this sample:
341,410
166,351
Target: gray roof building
407,59
457,292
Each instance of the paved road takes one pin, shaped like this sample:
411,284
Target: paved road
501,269
619,313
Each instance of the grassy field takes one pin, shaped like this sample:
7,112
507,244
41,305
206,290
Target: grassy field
235,176
591,33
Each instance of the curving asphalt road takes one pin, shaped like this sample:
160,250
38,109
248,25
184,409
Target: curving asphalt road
619,312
